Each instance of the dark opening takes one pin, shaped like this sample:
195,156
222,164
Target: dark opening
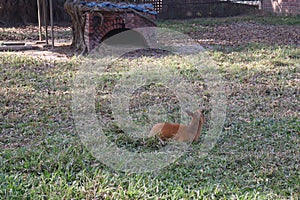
125,37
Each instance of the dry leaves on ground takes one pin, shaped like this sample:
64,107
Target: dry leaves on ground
240,33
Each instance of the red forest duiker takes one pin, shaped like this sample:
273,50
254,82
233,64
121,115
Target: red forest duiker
181,132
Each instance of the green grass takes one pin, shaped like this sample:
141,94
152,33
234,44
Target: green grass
257,156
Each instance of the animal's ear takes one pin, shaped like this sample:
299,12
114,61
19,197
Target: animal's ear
204,110
203,117
189,113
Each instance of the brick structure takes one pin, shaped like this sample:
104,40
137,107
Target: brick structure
99,27
290,7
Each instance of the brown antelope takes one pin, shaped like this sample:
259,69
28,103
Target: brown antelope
180,132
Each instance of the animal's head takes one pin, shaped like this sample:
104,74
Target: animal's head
198,114
197,123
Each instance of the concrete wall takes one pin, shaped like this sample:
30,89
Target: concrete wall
291,7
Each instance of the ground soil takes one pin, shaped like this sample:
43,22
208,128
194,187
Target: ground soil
229,34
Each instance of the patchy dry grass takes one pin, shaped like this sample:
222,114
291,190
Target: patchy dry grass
194,24
31,33
257,156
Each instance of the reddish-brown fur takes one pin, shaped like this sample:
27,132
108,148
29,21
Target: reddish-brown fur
180,132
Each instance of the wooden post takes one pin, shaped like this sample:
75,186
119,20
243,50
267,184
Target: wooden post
51,21
39,19
45,20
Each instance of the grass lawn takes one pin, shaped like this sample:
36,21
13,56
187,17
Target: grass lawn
257,156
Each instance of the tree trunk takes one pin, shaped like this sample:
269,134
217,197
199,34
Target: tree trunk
77,25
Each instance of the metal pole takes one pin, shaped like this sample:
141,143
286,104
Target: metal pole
45,20
39,19
51,21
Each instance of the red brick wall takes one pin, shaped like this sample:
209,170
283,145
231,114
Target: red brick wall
97,27
282,6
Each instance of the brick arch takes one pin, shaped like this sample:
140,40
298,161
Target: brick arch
112,32
98,26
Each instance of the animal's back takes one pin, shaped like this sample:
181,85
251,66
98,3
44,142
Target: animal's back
165,130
